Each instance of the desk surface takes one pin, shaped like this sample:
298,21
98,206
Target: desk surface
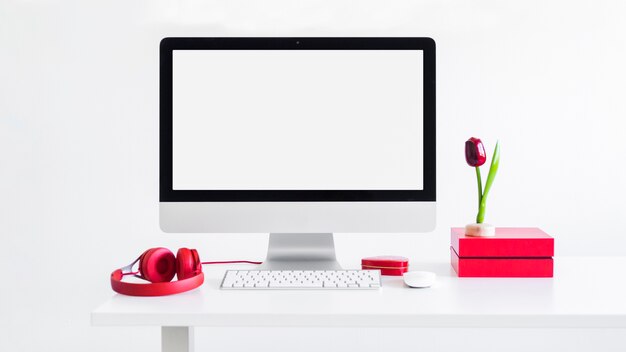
585,292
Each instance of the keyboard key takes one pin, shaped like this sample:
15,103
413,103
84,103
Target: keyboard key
230,278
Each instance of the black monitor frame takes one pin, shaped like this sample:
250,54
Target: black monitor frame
167,194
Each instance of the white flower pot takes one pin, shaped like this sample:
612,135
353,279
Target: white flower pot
480,230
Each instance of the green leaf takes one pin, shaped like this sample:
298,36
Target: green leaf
493,170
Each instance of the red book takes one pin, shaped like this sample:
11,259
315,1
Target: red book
508,242
501,267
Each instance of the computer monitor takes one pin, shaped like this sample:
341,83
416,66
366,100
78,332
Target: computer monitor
299,138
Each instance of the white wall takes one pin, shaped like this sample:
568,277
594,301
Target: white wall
79,142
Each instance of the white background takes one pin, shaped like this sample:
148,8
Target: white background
79,149
297,119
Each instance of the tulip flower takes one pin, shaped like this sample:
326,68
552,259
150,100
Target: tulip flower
475,156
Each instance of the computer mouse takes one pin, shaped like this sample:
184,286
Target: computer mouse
419,278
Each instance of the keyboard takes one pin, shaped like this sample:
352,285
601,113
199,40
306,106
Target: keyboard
301,279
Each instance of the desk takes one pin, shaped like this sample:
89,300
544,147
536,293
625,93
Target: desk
585,293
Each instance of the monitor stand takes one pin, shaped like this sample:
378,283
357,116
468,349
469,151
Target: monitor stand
301,251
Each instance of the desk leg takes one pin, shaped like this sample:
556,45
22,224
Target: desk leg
177,339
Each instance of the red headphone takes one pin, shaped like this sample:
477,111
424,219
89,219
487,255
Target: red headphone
159,265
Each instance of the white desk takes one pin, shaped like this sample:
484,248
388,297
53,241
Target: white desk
585,293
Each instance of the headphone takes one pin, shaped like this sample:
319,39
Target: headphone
158,266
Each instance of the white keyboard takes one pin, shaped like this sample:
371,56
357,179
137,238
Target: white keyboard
301,279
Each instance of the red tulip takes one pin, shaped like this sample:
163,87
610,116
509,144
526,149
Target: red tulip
475,152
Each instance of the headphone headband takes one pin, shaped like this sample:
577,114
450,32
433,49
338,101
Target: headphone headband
154,289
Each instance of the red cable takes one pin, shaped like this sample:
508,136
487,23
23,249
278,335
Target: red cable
233,262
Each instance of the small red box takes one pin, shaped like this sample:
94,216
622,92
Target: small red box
512,252
388,265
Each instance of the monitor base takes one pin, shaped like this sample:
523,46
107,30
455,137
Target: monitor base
301,251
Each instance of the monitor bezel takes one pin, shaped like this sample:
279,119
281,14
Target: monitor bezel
168,194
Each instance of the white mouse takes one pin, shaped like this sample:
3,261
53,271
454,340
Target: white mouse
419,278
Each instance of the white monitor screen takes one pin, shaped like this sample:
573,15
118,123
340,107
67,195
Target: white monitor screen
297,120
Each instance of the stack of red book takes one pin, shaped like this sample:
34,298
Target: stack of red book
512,252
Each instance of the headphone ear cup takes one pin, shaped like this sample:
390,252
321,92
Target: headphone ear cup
157,265
188,263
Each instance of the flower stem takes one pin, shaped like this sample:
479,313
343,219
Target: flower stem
480,185
480,217
480,195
